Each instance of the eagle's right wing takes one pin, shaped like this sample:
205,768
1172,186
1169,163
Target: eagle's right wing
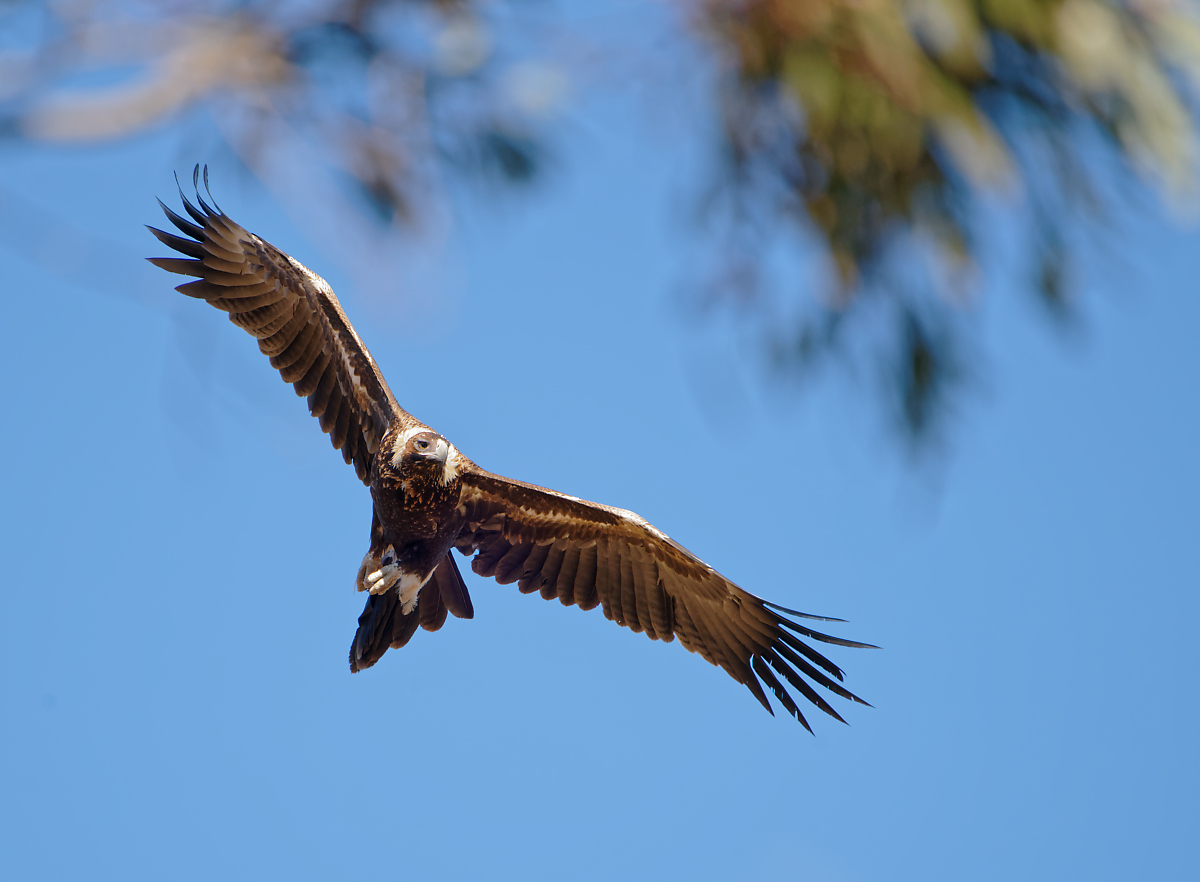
298,322
590,555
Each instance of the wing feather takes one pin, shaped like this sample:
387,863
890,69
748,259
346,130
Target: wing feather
608,581
190,247
317,384
182,224
584,586
430,607
711,638
593,555
342,426
485,562
640,567
329,414
299,324
295,361
508,568
629,588
661,609
782,694
529,578
540,572
559,572
689,633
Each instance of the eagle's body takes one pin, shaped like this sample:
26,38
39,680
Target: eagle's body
417,494
429,498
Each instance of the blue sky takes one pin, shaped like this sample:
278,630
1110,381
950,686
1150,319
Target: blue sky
180,544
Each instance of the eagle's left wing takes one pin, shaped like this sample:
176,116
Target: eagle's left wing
594,555
297,319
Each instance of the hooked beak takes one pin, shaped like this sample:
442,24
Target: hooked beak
440,451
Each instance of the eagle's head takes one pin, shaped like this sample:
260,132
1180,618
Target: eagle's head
423,455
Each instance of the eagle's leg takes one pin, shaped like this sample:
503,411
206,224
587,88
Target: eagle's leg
379,570
386,573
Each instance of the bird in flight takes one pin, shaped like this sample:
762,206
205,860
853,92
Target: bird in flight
429,499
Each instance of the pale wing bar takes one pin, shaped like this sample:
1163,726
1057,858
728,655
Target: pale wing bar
591,555
297,320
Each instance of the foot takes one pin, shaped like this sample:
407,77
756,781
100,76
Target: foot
378,574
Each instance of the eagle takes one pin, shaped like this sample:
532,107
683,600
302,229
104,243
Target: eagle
430,500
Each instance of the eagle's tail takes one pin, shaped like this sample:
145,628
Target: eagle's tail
383,625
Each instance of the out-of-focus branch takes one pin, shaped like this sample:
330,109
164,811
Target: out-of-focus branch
867,127
381,89
873,126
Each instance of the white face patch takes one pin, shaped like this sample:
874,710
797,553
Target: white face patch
402,442
454,465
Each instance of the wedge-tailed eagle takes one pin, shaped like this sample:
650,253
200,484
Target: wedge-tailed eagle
429,499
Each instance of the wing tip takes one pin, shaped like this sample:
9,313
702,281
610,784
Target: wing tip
803,615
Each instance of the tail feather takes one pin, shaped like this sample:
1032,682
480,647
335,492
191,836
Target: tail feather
430,608
383,625
453,589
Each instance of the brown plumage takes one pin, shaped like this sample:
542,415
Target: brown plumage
429,498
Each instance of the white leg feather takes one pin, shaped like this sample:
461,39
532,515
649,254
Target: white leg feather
410,587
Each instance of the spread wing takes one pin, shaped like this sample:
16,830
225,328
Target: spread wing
593,555
297,319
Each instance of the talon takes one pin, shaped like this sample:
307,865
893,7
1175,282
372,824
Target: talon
381,580
378,574
377,581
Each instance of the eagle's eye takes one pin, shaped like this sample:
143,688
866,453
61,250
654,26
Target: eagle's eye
422,444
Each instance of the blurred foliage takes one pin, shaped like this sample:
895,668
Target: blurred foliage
869,127
384,91
875,125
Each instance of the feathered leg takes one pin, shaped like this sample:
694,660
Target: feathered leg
379,570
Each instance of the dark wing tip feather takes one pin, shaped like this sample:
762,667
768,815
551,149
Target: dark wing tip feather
796,612
781,693
823,638
214,209
196,214
181,223
797,665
